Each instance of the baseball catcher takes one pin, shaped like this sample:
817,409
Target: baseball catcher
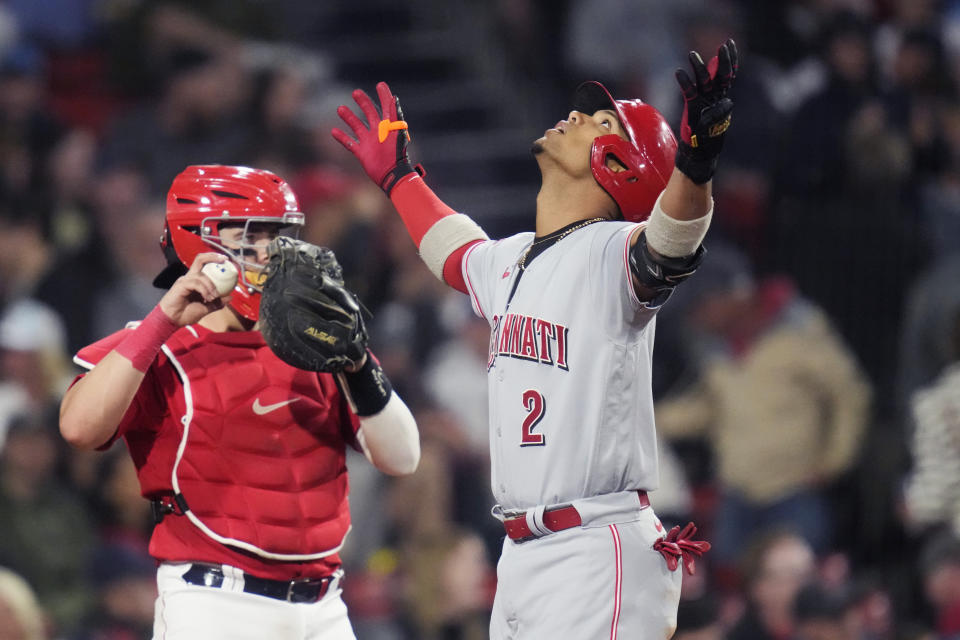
307,316
241,455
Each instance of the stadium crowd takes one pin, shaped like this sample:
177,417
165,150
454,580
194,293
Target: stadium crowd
807,378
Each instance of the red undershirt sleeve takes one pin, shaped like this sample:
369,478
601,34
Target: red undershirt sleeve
453,268
418,206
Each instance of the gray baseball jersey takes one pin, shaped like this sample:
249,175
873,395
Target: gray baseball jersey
571,407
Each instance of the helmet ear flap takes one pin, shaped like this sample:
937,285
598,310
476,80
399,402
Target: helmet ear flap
175,268
646,154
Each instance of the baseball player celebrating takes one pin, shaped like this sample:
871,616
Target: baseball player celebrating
621,214
241,454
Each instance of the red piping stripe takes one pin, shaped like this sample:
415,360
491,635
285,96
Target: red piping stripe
626,264
619,578
473,293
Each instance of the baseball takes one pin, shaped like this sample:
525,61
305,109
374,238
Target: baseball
223,274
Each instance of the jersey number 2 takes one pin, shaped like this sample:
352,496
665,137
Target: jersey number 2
536,406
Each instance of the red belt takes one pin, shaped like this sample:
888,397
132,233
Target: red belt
556,519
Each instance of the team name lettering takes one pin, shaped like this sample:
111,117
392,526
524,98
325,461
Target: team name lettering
529,338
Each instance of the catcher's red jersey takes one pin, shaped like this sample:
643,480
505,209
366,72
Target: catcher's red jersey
255,447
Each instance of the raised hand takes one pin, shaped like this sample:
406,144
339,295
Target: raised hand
380,143
706,111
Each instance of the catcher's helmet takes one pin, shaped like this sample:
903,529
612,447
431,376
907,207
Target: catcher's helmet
205,198
648,156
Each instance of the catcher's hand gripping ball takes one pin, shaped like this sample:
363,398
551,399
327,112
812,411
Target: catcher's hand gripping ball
223,274
307,317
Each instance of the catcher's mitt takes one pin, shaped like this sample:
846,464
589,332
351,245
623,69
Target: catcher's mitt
307,317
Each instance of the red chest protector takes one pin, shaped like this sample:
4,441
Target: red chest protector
259,461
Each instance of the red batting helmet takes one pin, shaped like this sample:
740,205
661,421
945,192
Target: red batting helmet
205,198
648,155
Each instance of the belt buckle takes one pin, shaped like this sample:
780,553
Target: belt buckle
293,583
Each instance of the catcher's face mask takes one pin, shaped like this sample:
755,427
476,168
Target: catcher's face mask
246,243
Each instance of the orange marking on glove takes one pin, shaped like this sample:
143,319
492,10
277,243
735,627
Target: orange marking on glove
386,126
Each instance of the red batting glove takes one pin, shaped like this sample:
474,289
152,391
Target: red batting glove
678,545
380,144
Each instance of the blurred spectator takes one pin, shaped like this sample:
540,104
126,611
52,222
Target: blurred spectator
21,617
280,139
124,517
200,114
407,328
58,24
778,396
132,250
870,611
449,586
673,500
844,179
141,36
532,37
125,583
28,132
776,566
928,331
342,214
647,32
743,190
69,199
940,570
32,268
813,162
907,17
47,534
820,615
14,402
456,376
426,503
33,352
939,197
932,494
699,620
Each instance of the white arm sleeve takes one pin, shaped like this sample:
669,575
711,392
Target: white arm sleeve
446,236
675,238
390,439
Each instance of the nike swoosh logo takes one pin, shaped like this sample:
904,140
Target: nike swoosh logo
262,410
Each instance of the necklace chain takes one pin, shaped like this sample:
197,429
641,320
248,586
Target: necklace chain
523,259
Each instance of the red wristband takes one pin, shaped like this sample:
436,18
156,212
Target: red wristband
143,344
